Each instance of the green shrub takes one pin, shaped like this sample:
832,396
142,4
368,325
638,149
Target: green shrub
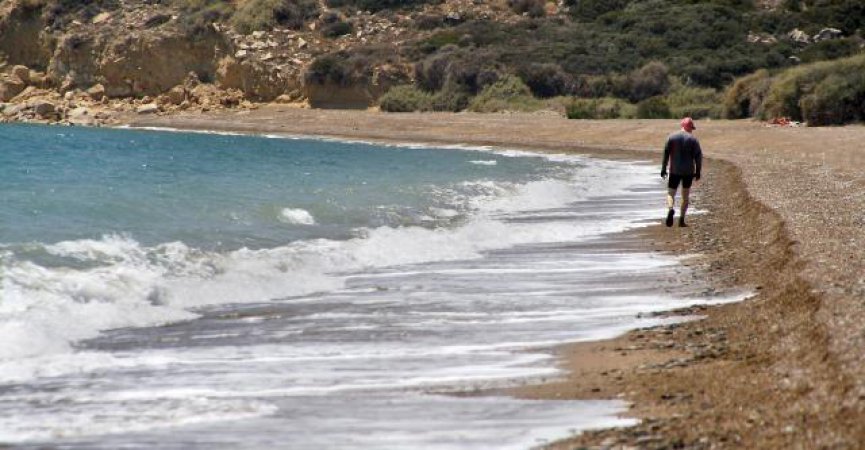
654,108
467,72
590,10
789,88
651,80
198,16
451,98
431,73
812,15
59,14
332,68
681,95
532,8
406,98
440,41
592,86
600,108
355,66
746,96
705,111
429,22
508,86
471,73
547,80
253,15
835,100
335,29
582,108
829,49
378,5
509,93
695,102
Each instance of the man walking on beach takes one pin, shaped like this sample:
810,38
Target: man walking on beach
685,159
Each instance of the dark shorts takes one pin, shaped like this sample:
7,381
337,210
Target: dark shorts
674,180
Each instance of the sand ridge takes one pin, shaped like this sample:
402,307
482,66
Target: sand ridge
784,369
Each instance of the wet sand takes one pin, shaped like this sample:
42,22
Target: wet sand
781,370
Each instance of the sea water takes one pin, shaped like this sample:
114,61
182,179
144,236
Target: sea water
179,290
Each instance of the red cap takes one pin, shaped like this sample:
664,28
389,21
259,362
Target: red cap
688,124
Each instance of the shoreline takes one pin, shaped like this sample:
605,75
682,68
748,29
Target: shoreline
775,376
611,356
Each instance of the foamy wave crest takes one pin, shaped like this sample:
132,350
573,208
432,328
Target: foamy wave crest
296,216
117,282
491,162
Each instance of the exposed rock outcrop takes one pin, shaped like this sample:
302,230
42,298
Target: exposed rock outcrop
110,56
148,63
259,82
10,87
23,39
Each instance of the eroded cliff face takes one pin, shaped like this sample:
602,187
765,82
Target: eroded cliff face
23,40
147,63
258,82
137,64
141,54
129,56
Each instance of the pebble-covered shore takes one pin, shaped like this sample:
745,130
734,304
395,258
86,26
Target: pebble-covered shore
784,369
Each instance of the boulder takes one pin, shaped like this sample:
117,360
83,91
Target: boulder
156,20
39,80
44,109
827,34
10,87
12,109
68,83
798,36
81,116
257,81
150,108
101,17
176,95
96,92
22,72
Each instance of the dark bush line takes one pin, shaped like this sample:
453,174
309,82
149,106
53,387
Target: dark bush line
823,93
531,8
198,16
707,48
379,5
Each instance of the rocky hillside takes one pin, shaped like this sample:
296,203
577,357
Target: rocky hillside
81,60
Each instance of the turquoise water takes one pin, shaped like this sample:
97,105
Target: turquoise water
179,290
225,192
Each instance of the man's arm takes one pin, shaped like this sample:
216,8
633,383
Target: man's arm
698,159
666,159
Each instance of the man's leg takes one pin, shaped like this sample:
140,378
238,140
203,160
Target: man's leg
671,202
684,207
686,191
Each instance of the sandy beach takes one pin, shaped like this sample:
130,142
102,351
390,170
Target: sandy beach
783,369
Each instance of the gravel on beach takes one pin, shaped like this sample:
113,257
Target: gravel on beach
786,218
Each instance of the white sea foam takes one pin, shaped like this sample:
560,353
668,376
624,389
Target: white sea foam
86,420
490,162
123,283
296,216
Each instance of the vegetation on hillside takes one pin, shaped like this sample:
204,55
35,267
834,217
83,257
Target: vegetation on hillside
377,5
592,59
822,93
670,58
246,16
